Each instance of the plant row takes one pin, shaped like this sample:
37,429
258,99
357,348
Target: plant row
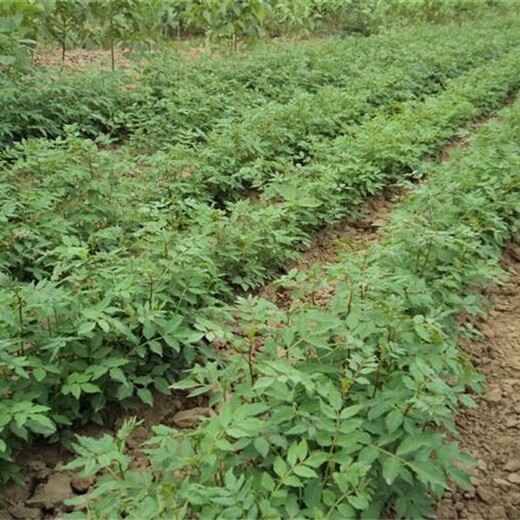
144,24
346,410
302,92
174,102
48,184
106,315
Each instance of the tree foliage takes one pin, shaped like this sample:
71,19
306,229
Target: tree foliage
139,24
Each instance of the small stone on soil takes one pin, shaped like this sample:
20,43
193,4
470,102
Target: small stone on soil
80,485
25,513
514,478
497,512
494,395
446,511
485,495
190,418
500,482
53,492
40,469
482,465
513,465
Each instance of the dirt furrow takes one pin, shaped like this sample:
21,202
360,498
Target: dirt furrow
354,234
491,432
358,233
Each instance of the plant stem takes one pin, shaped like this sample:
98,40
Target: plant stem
112,36
250,360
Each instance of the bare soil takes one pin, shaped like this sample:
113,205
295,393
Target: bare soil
491,432
331,242
45,486
80,59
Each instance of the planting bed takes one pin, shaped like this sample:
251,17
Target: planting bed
130,269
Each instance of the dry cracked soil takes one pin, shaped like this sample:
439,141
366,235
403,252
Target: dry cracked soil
491,432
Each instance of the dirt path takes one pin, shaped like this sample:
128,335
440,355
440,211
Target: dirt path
491,432
354,234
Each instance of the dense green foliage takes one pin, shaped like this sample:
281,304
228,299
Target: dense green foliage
308,92
141,24
108,265
341,415
134,207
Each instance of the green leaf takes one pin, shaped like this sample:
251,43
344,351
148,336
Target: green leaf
117,375
342,481
75,390
368,454
7,60
304,471
430,473
360,502
316,459
309,202
346,511
287,191
329,498
86,328
39,374
393,420
156,347
104,325
224,445
410,444
391,469
267,482
303,449
145,395
172,342
262,446
351,425
90,388
293,481
238,433
460,478
280,466
41,424
161,385
335,399
350,411
252,424
467,401
292,454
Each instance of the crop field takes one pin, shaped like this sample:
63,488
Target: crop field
151,218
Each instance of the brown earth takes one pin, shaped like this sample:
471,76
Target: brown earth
491,432
81,59
45,486
350,235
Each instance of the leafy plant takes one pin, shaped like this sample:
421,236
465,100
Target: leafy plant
346,410
113,262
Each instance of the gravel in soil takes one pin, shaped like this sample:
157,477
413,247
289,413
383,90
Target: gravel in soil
45,486
491,432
